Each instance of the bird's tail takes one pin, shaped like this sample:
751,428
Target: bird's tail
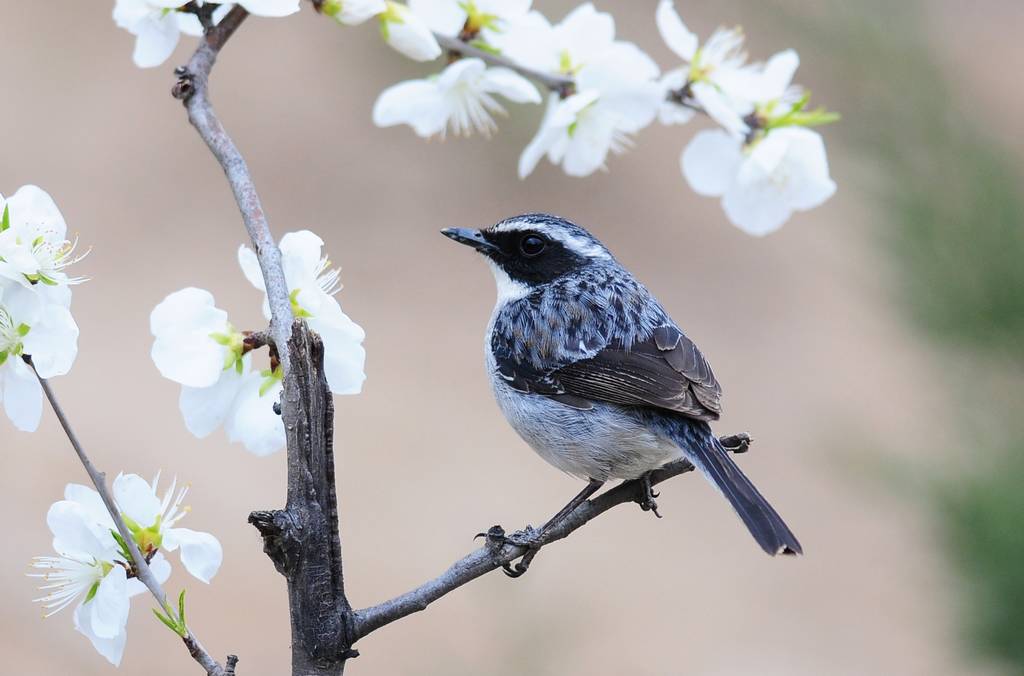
707,454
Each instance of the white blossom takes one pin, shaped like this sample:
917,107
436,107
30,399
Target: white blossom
272,8
31,326
312,285
460,97
470,19
157,24
194,343
197,347
616,96
152,521
761,184
353,12
408,33
34,248
565,48
90,568
243,402
711,74
157,27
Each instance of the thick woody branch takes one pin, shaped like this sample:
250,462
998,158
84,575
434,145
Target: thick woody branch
302,539
139,564
497,551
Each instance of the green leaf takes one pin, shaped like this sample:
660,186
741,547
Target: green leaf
168,622
92,591
23,329
3,357
483,46
181,609
5,222
122,544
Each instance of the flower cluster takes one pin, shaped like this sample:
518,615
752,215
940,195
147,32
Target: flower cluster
35,301
197,347
763,161
92,565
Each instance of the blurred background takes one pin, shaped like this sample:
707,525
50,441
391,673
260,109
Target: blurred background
873,347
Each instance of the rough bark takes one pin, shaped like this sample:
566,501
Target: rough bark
302,539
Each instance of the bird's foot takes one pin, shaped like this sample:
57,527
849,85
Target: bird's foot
647,496
529,538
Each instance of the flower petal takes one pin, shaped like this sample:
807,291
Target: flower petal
155,39
442,16
111,648
22,395
408,34
344,356
719,108
90,501
274,8
417,103
205,408
32,206
201,553
711,161
161,569
108,608
76,534
136,499
510,84
674,32
250,265
184,350
585,33
53,341
300,257
253,421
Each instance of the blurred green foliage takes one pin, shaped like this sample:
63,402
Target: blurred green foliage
952,214
984,520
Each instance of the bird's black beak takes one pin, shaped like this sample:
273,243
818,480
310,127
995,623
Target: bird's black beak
470,237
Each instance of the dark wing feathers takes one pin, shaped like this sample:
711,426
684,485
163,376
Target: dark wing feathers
575,350
666,371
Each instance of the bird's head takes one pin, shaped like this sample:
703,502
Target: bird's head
532,250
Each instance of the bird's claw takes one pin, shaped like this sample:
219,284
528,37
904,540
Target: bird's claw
646,500
520,568
529,538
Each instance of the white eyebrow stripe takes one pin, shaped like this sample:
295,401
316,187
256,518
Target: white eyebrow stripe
582,246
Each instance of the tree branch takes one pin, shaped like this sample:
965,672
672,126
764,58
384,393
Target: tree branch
303,539
141,567
562,85
497,551
556,83
192,88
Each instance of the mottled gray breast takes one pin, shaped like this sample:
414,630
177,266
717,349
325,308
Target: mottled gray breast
600,336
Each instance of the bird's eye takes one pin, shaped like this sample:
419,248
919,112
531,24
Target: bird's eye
532,245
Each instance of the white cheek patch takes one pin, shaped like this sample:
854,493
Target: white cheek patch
508,288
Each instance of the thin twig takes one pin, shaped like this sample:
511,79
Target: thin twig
561,84
497,551
556,83
141,568
192,88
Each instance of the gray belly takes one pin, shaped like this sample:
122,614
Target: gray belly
606,442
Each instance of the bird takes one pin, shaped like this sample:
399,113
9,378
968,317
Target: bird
592,373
